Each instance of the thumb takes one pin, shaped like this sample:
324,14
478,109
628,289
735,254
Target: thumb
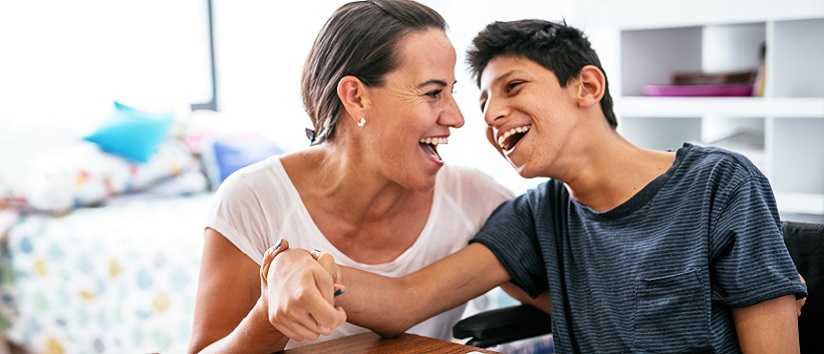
270,255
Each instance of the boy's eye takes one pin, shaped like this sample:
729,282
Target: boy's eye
511,86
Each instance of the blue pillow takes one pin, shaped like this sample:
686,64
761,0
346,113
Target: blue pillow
132,133
229,154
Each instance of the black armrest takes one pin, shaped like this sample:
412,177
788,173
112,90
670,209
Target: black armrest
805,242
490,328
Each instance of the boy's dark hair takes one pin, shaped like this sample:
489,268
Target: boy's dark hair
557,47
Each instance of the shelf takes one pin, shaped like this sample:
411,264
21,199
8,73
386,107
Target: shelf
678,107
784,126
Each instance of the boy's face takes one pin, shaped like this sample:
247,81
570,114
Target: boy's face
529,114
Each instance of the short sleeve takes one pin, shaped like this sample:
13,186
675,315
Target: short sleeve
236,213
510,233
751,262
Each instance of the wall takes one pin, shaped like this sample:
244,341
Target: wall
261,46
62,63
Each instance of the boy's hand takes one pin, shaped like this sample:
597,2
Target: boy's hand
298,289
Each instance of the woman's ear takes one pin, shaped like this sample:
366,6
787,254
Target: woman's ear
591,86
351,92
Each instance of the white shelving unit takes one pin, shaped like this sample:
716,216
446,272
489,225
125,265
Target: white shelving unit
782,131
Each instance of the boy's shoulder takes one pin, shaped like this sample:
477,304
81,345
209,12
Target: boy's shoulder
713,158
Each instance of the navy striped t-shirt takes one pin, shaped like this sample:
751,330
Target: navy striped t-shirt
660,272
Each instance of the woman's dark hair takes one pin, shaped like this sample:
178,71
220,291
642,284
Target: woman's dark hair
359,39
557,47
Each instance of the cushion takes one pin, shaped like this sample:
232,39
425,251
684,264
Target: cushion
225,155
83,175
131,133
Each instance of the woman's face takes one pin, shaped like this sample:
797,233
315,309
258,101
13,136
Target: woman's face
412,112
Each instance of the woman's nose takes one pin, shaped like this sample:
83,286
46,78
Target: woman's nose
452,116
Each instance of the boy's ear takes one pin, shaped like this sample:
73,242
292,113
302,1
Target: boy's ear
351,92
591,86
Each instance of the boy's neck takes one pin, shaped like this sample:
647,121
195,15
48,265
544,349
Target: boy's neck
615,171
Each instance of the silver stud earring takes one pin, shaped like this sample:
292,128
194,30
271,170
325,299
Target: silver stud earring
362,121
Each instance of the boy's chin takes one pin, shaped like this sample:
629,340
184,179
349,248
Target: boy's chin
522,170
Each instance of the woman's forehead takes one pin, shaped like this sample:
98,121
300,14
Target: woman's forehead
427,55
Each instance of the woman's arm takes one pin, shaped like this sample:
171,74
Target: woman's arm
230,316
768,327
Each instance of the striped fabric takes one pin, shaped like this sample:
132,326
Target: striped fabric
658,273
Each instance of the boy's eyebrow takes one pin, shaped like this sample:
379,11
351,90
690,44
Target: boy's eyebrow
496,80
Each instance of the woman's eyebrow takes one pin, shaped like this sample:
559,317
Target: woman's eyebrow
435,82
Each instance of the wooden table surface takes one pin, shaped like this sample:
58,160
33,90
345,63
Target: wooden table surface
367,343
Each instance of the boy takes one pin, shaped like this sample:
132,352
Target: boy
639,250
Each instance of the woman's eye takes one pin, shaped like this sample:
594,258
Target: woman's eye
434,93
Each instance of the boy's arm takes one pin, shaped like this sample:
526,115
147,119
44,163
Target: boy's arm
391,306
768,327
542,302
386,305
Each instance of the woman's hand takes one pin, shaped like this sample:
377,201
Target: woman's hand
299,289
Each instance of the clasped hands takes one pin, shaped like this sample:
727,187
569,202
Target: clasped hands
298,288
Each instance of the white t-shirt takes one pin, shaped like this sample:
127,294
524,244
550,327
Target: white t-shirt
258,205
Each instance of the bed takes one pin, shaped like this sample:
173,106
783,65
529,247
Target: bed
113,279
100,239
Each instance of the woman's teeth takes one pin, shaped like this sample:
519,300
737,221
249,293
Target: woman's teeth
433,141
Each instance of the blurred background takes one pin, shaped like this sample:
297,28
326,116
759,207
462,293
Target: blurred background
118,118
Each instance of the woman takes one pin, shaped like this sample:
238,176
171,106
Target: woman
370,190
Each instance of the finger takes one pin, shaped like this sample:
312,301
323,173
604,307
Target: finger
308,316
327,261
295,317
339,290
316,254
269,256
326,316
324,280
327,321
295,330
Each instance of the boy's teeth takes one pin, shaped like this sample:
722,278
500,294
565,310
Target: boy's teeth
507,134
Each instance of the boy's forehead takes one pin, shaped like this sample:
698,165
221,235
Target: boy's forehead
502,66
